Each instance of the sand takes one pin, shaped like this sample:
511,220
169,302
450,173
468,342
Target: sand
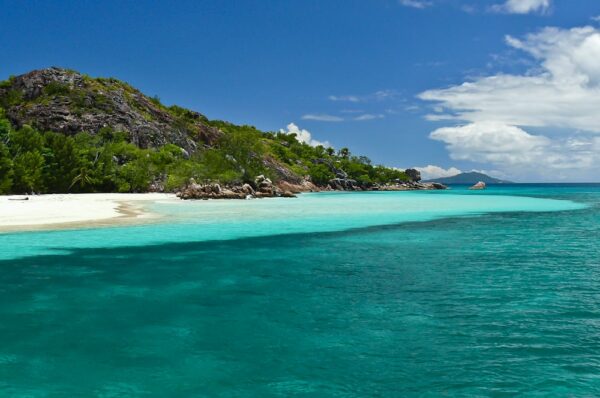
75,210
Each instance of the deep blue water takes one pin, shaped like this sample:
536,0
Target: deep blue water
493,293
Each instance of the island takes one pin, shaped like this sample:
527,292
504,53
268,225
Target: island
62,131
469,178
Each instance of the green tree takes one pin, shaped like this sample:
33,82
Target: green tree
26,139
6,170
83,179
244,152
28,171
320,174
344,153
61,160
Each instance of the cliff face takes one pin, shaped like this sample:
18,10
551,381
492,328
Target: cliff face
66,101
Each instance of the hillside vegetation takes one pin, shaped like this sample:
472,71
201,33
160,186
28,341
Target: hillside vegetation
62,131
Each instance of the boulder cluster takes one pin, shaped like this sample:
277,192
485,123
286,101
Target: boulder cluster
262,188
341,182
410,186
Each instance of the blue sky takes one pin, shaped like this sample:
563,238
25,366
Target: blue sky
383,77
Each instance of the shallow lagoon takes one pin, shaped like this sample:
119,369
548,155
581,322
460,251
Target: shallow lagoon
487,293
193,221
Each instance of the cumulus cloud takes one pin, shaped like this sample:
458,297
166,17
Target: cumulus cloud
303,135
430,172
491,142
522,6
322,117
416,3
560,96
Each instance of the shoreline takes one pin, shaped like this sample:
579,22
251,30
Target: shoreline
68,211
90,210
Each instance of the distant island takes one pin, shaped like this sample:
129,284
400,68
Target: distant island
62,131
469,178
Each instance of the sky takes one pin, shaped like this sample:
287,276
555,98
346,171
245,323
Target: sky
507,87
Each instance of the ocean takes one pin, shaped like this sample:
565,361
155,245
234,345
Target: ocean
374,294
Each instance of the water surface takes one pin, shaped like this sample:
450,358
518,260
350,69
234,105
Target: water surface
453,293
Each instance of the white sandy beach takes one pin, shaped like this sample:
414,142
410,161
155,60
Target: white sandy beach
62,210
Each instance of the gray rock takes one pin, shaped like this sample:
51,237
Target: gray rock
479,185
86,104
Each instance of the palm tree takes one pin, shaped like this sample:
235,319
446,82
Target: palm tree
344,153
83,178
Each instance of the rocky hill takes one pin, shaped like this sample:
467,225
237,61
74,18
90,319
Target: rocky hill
69,102
64,131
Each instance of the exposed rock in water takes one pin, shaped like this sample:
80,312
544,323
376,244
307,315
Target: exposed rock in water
479,185
264,187
409,186
248,190
305,185
437,185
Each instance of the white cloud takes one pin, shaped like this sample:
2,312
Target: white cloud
381,95
560,95
596,18
491,142
430,172
416,3
303,135
369,116
522,6
322,117
347,98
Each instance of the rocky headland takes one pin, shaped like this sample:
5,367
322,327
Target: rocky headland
263,187
62,131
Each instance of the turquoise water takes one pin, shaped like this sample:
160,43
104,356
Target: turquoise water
456,293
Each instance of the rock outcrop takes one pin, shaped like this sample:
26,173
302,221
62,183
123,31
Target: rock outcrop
193,190
61,100
479,185
264,188
410,186
305,185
